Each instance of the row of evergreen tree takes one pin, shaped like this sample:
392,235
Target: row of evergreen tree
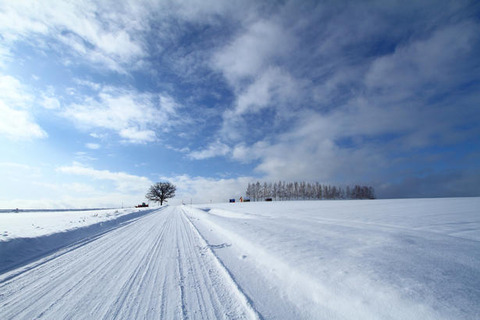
306,191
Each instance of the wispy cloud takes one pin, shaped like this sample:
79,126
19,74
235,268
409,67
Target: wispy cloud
16,120
18,124
5,55
124,182
135,117
85,28
273,90
93,146
214,149
49,100
252,51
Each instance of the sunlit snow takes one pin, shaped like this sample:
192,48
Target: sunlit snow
381,259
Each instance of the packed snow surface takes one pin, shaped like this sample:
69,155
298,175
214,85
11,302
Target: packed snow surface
382,259
157,267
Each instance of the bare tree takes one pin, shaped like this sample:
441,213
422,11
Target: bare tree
160,192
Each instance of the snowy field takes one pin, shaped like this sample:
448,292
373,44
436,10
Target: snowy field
37,223
28,234
382,259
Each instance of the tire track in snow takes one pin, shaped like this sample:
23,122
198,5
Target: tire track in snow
225,272
156,267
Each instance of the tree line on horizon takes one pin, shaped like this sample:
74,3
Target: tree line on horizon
306,191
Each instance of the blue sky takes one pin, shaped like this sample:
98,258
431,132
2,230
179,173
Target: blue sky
100,99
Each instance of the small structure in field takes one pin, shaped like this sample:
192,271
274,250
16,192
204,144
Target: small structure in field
143,205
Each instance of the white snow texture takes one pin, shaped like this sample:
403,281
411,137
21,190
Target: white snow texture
381,259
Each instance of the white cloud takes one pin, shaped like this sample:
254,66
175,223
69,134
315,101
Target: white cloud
255,65
181,150
191,10
71,201
246,154
83,157
214,149
252,51
134,135
14,165
274,89
16,120
5,55
50,103
18,124
73,188
133,116
93,146
405,91
88,29
124,182
90,84
243,153
425,61
13,93
204,190
98,135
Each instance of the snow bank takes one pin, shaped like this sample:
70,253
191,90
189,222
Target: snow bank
37,223
26,236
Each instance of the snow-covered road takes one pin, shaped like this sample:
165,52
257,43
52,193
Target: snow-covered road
157,267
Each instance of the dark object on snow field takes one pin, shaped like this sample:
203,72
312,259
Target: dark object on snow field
143,205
